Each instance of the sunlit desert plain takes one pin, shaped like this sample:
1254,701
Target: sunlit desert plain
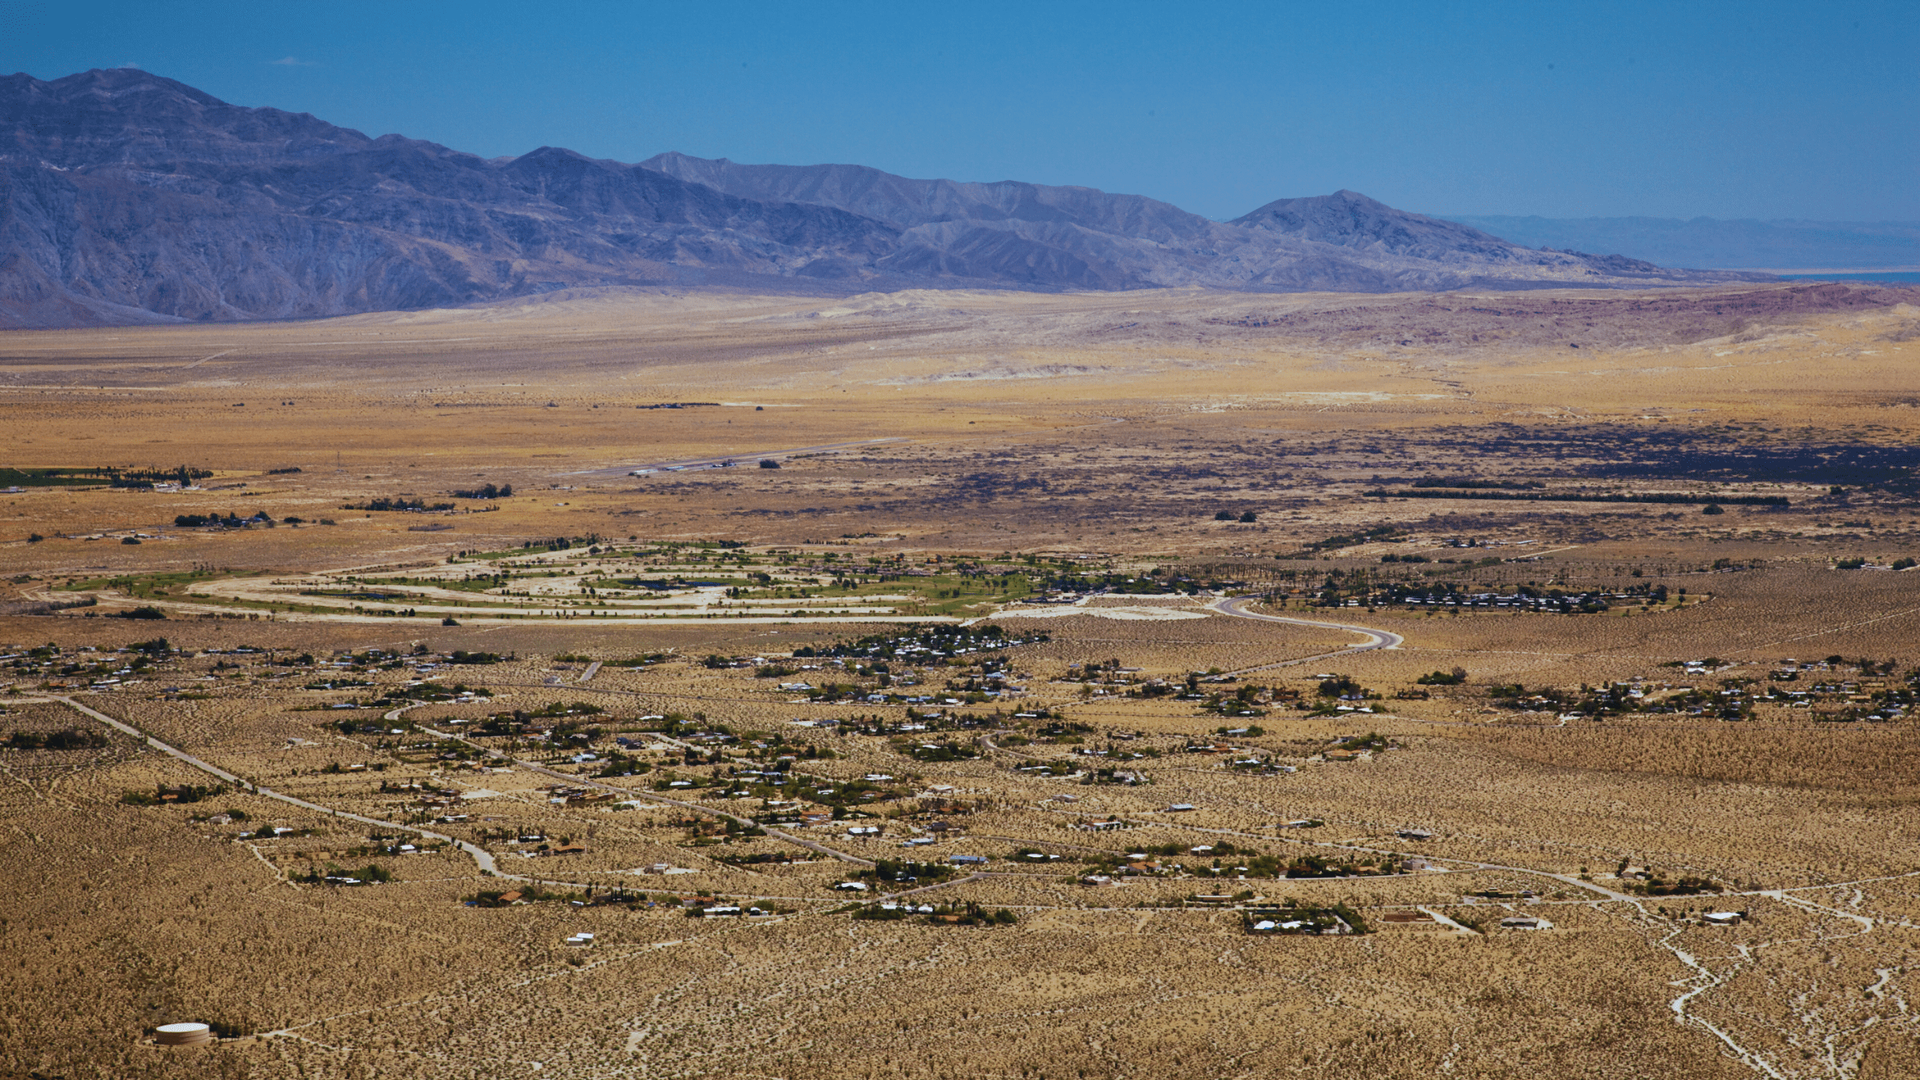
663,684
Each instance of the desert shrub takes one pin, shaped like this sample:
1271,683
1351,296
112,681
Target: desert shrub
488,491
64,739
1339,686
145,611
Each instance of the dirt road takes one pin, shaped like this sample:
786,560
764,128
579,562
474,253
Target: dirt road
481,857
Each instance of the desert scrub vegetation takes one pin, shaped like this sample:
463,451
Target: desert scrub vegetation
1878,762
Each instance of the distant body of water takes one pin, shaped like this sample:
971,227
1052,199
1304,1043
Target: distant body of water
1909,277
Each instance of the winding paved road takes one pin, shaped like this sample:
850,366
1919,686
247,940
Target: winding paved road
1376,639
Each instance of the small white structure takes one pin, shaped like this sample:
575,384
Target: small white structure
183,1034
1525,922
580,940
1724,918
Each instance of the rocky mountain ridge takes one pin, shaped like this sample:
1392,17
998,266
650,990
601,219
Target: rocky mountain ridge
128,197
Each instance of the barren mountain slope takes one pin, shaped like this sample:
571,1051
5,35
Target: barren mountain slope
127,197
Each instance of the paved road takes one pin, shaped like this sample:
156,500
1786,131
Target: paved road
749,458
481,856
1376,639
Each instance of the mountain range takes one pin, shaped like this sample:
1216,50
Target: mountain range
126,197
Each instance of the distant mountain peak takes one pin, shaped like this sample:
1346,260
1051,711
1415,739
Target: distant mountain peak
128,116
545,153
1352,220
120,80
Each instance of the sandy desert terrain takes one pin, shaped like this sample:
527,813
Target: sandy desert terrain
860,676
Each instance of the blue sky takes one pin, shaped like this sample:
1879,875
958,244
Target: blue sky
1756,109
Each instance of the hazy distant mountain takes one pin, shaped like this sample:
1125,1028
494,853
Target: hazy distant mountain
1367,227
127,197
1352,220
1339,242
1823,245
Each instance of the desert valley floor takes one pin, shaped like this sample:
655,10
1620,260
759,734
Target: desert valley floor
659,684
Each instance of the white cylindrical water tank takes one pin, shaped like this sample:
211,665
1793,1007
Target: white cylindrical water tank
183,1034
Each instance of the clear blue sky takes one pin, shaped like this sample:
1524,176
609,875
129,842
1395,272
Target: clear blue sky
1752,109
